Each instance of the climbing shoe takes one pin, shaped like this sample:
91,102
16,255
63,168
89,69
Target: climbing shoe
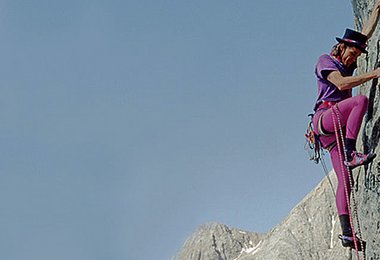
358,159
349,242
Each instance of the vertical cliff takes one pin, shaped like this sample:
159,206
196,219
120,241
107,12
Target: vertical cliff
311,229
368,183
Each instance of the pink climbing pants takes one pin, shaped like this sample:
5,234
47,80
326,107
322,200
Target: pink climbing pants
351,112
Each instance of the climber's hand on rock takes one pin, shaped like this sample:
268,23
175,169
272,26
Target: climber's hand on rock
376,73
377,4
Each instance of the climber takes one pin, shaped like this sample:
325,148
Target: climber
335,81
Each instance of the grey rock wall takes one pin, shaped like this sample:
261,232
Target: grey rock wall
368,182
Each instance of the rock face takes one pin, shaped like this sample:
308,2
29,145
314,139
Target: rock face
368,184
310,231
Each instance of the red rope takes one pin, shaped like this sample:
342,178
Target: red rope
350,178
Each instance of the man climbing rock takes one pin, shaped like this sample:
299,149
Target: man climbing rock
338,115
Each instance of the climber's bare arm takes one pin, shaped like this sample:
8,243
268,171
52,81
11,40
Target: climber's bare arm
344,83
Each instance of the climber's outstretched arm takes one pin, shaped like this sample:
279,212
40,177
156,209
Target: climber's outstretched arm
370,25
344,83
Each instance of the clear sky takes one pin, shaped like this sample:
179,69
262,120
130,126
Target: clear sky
126,124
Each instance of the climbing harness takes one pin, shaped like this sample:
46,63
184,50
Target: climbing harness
315,150
343,156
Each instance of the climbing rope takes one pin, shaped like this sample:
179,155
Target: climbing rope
342,155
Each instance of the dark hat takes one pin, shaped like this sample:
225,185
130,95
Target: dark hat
354,38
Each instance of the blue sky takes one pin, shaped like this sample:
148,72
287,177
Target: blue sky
126,124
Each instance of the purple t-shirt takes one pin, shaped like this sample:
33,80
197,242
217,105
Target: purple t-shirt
326,90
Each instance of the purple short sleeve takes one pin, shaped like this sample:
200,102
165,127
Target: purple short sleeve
325,65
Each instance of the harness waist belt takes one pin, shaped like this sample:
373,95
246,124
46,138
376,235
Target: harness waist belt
326,105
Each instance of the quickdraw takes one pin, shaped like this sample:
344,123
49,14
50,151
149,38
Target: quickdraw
315,149
312,144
